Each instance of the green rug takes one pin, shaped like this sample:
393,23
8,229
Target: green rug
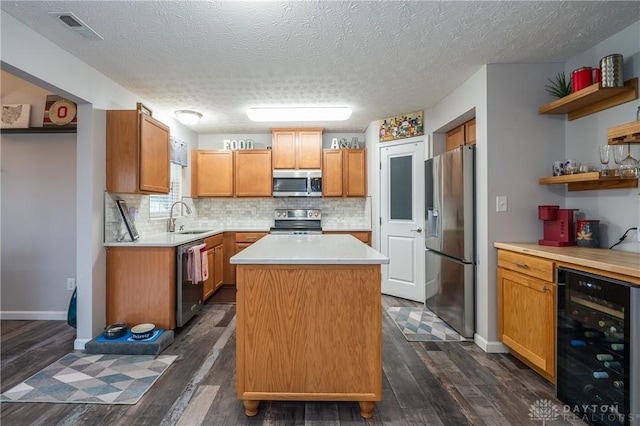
79,378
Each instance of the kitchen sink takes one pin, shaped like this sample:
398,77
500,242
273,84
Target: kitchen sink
192,232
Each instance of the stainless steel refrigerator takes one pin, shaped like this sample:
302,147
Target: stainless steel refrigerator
450,242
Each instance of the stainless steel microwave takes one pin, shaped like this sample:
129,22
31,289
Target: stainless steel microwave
297,183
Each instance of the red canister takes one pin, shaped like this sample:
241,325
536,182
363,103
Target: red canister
584,77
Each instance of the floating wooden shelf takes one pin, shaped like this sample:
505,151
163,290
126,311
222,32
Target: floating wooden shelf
40,130
592,99
624,133
588,181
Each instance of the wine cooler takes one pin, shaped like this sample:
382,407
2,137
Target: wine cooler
597,367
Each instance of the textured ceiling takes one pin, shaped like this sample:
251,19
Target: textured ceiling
381,58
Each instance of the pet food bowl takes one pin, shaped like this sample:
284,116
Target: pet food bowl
115,331
142,331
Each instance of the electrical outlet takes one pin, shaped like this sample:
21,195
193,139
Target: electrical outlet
501,203
71,284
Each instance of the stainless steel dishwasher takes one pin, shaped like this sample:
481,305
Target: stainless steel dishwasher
188,293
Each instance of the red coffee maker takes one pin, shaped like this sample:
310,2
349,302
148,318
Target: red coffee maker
558,226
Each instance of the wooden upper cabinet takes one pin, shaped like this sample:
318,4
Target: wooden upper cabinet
344,173
252,173
465,134
297,148
455,138
332,173
137,155
211,173
355,173
470,132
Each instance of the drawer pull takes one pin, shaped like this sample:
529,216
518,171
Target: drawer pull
252,238
520,264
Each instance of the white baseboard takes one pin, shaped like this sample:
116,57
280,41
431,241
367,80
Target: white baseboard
34,315
78,344
490,347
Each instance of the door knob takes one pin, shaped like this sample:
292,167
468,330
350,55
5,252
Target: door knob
418,230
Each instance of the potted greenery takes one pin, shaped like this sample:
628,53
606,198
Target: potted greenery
560,87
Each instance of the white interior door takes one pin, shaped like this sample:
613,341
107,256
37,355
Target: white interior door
402,220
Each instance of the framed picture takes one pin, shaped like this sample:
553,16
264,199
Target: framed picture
401,126
15,116
131,227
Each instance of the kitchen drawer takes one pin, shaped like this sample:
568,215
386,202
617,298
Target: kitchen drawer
528,265
249,237
213,241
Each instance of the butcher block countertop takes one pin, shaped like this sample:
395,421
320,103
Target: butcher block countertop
614,262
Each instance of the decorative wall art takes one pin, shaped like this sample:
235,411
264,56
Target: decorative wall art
59,112
401,126
15,116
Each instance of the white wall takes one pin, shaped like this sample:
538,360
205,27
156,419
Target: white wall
38,225
43,63
38,216
617,209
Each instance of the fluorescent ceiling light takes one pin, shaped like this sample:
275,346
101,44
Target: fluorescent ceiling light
299,113
188,117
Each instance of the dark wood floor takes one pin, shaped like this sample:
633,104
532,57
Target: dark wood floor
427,383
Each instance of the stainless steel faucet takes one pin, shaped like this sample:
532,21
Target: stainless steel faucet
171,223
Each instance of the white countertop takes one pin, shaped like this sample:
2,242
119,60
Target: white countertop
168,239
173,239
309,249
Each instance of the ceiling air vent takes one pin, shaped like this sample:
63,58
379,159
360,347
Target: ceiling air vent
74,23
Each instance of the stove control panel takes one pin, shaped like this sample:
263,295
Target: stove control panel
298,214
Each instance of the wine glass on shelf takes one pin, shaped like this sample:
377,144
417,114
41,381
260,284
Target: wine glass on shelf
627,165
604,159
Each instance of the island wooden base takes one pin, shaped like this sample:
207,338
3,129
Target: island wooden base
309,333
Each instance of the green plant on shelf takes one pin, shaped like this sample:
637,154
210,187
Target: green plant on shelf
560,87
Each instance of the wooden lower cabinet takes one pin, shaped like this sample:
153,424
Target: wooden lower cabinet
526,310
309,333
215,256
141,286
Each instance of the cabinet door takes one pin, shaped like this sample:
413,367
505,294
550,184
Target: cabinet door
208,287
284,149
470,132
218,266
526,319
455,138
154,155
253,176
309,149
241,246
332,173
212,173
355,173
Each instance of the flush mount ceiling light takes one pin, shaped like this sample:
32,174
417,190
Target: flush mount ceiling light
188,117
299,113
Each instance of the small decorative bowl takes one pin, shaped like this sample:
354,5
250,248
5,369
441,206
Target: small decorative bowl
142,331
115,331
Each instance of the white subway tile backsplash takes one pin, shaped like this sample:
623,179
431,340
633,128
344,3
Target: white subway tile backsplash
235,213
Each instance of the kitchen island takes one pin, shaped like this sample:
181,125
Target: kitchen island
309,321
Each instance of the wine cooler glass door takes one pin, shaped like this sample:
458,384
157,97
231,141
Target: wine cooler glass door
593,361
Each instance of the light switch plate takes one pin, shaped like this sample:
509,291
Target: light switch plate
501,203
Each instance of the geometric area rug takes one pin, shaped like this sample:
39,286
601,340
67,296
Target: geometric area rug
422,325
79,378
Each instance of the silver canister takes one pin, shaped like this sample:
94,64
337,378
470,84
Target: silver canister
611,69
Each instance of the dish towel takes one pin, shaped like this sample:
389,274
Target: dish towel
195,262
205,263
